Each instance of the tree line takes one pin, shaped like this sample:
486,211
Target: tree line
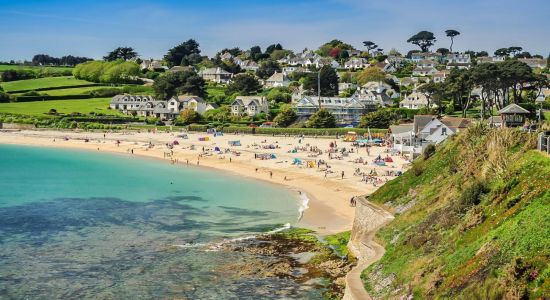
68,60
498,84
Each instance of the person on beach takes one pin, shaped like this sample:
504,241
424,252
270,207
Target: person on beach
256,170
270,174
342,174
230,159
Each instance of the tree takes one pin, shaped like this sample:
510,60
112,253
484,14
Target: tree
370,46
322,119
502,52
185,82
434,92
443,51
125,53
256,54
184,54
244,85
279,95
451,33
459,85
188,116
381,118
423,39
286,116
371,74
267,68
272,48
328,79
514,50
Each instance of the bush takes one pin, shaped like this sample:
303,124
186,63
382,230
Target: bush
472,194
4,97
322,119
428,151
417,169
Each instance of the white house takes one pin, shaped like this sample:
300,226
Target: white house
183,102
218,75
249,105
356,63
277,80
458,60
415,100
345,110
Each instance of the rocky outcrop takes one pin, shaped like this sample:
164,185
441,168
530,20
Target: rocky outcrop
368,219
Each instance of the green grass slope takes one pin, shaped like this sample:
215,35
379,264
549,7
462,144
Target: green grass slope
472,222
47,82
39,108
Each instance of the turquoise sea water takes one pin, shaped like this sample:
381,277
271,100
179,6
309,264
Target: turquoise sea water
77,224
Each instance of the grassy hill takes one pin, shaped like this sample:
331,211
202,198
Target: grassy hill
472,222
47,82
39,108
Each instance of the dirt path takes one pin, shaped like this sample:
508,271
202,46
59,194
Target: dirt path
364,247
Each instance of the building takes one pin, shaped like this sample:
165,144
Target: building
513,115
277,80
440,76
347,111
184,102
147,106
534,62
415,100
418,56
249,65
490,59
356,63
458,60
249,105
425,67
151,65
413,137
217,75
176,69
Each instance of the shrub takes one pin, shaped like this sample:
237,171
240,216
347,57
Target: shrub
417,169
472,194
428,151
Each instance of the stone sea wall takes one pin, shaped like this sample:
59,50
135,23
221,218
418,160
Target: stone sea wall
368,219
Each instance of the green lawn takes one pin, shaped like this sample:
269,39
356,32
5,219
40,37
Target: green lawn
85,106
21,67
31,84
71,91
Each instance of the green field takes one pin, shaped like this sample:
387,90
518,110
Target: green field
22,67
84,106
47,82
71,91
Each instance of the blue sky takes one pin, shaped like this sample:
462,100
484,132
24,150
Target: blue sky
92,28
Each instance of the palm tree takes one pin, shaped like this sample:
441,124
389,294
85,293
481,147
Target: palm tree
451,33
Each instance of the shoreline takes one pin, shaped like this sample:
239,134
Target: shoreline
328,209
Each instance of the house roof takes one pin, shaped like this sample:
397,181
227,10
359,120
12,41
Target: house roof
402,128
249,100
187,98
214,71
453,122
513,109
175,69
420,121
278,77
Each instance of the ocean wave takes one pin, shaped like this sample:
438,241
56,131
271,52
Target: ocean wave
303,206
216,246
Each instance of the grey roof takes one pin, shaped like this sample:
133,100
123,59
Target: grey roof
420,121
397,129
513,109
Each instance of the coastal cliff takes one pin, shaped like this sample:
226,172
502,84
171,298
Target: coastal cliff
472,221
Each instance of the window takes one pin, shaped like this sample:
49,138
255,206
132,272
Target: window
443,131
